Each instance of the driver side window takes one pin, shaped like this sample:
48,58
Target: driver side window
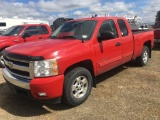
109,26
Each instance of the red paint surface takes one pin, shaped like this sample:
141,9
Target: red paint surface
103,56
52,86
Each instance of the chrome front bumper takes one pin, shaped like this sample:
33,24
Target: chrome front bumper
8,77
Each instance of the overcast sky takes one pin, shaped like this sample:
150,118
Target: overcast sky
51,9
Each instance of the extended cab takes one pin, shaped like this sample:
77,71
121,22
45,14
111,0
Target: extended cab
157,32
23,33
66,65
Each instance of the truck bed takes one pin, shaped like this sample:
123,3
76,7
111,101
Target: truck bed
139,37
140,31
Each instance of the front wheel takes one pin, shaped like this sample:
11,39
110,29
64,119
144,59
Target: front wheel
142,60
77,86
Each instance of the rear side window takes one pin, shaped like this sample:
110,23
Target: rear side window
33,30
123,27
44,29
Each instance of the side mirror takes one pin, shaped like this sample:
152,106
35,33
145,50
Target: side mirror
106,35
26,34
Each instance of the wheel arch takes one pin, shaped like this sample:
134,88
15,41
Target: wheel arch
86,64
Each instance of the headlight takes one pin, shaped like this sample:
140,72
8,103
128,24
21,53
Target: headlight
45,68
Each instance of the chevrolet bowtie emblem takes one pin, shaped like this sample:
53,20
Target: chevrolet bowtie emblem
10,65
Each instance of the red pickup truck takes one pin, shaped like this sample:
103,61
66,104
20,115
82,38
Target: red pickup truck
23,33
66,65
157,32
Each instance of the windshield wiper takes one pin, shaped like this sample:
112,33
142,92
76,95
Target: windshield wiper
64,37
69,37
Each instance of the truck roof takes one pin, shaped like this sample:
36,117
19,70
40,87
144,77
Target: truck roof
99,18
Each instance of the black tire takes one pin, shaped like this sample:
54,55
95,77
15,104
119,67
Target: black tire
77,86
142,60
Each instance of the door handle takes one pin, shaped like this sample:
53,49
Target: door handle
40,37
118,44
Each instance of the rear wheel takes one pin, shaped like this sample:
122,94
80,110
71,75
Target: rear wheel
77,86
142,60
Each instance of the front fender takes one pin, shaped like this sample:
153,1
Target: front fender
76,57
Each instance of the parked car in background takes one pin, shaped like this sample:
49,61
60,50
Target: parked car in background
23,33
157,32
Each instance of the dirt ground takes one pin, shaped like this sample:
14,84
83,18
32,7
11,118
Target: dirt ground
128,92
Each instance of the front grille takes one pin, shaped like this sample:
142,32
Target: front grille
20,66
17,62
23,73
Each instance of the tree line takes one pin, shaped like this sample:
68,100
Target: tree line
158,16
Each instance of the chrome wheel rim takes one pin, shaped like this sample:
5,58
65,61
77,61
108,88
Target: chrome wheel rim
80,87
145,56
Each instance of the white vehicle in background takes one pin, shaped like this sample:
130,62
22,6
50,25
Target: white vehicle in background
5,23
136,25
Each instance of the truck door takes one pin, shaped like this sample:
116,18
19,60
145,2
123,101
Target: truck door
13,34
109,51
127,41
34,32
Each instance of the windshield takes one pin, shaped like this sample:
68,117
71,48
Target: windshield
13,31
75,30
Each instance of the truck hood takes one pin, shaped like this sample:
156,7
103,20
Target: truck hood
47,48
